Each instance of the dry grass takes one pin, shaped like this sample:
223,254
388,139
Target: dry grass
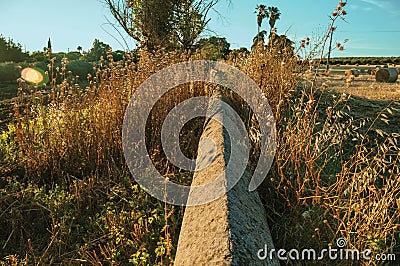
364,86
67,197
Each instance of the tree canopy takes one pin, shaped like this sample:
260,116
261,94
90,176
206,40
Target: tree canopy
214,48
167,24
98,50
11,51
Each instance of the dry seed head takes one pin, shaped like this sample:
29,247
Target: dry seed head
342,4
334,13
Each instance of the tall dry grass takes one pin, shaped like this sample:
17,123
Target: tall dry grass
67,196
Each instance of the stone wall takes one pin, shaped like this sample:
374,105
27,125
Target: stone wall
231,229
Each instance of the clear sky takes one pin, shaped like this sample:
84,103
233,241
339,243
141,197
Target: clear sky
372,27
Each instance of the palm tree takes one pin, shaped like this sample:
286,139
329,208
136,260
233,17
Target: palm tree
79,48
261,15
274,14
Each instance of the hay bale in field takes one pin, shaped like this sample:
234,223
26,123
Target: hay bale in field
352,72
386,75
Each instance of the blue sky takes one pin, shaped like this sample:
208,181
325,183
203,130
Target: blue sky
372,27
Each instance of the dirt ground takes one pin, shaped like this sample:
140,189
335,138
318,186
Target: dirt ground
363,86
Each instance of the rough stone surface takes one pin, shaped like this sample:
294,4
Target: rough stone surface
231,229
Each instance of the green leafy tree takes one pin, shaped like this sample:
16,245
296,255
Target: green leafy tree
118,55
79,49
166,24
74,55
80,68
11,51
214,48
98,50
37,56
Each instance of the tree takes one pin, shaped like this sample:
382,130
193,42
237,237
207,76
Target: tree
274,14
118,55
98,50
261,15
73,55
37,56
214,47
263,12
79,49
49,45
11,51
166,24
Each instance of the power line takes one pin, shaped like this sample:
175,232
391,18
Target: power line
375,31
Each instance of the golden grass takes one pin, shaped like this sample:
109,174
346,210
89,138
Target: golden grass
335,175
363,86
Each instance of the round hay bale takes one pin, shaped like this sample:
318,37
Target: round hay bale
386,75
352,72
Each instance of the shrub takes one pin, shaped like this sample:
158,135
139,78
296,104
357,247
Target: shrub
9,72
80,68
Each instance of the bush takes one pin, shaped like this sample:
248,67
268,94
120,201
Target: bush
9,72
80,68
73,55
